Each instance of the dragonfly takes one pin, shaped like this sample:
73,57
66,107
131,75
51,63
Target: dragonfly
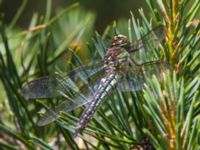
126,66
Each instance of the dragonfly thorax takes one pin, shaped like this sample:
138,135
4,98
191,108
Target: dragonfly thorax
117,53
115,59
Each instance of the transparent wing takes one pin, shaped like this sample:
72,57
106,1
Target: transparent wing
136,78
75,99
52,86
147,49
77,88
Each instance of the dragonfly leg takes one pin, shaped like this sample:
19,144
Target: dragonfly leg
146,63
140,66
151,62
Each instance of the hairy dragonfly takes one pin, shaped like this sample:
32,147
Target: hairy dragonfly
126,67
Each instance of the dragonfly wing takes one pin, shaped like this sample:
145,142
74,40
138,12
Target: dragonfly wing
147,49
129,84
44,87
52,86
74,100
136,78
77,88
66,106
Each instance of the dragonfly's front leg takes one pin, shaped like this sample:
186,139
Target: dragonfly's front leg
106,85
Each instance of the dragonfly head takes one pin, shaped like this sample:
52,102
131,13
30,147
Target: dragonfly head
120,40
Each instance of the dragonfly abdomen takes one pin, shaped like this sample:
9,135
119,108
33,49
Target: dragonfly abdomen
106,85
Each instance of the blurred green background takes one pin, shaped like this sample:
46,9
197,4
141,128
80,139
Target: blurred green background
106,10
